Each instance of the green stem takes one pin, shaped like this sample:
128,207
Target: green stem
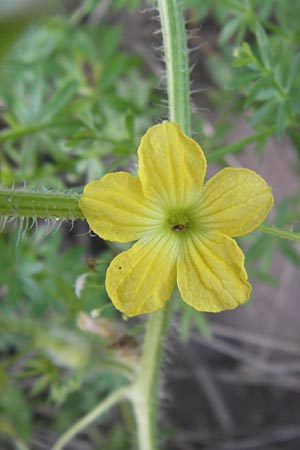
83,423
176,59
279,232
144,391
39,204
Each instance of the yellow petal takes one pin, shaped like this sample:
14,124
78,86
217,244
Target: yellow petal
116,209
172,166
141,279
235,201
210,273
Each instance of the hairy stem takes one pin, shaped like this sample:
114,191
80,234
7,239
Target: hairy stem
176,60
14,203
144,394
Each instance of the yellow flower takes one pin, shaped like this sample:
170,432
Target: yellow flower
183,228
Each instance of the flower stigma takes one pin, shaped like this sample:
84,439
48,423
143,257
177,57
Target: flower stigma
179,221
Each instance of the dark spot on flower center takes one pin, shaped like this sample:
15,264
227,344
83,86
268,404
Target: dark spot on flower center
179,227
179,220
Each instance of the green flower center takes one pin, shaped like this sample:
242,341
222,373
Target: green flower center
179,221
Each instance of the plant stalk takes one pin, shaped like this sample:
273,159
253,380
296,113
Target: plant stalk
144,394
279,232
177,61
14,203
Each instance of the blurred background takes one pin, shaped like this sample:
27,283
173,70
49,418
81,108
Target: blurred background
79,85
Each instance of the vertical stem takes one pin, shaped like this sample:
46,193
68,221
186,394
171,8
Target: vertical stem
144,394
176,59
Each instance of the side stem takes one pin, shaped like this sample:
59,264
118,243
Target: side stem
280,232
39,205
83,423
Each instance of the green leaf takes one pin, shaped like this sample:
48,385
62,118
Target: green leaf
258,248
129,123
241,81
294,71
235,5
59,101
278,75
282,213
282,120
254,91
15,410
202,324
229,30
264,277
263,44
130,4
262,113
267,94
115,67
290,252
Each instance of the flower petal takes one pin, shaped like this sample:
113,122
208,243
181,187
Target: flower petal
172,166
141,279
210,273
116,208
235,201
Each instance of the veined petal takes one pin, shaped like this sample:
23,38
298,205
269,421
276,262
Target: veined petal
210,273
235,201
172,166
116,208
141,279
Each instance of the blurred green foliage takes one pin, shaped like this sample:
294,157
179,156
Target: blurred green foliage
70,98
74,105
258,60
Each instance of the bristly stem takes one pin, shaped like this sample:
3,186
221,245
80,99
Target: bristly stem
176,60
48,205
144,394
145,391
